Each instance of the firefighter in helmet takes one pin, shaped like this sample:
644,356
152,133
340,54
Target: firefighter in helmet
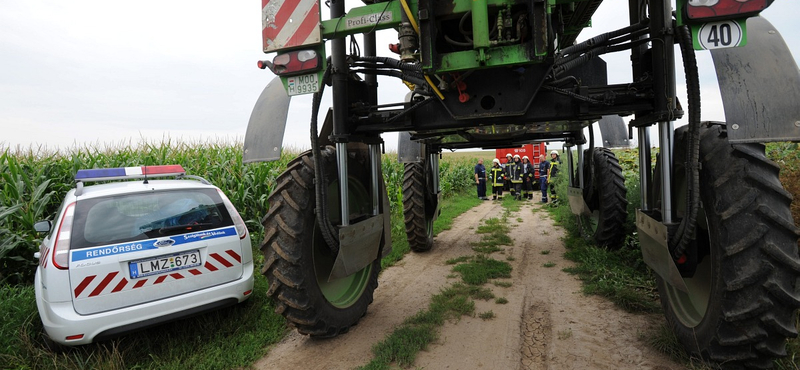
527,178
515,175
496,174
509,162
555,163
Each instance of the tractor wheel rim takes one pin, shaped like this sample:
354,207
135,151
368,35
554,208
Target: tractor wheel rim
342,292
690,307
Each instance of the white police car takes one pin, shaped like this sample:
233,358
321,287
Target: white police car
127,255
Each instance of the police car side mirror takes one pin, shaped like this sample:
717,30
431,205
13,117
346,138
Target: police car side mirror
43,226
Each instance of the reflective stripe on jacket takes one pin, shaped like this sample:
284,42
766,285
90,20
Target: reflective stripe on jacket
496,176
554,164
514,172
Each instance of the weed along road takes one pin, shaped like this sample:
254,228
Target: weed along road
534,317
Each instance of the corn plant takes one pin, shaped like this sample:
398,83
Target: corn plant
33,182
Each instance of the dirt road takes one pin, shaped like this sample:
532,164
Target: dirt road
546,324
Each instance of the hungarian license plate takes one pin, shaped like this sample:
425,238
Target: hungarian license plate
161,264
305,84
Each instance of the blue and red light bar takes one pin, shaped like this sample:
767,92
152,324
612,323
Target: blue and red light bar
122,173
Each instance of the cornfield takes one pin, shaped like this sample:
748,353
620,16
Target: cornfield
33,183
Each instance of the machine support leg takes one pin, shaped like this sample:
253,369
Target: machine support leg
570,169
434,162
580,166
341,159
664,66
665,130
339,87
645,168
375,163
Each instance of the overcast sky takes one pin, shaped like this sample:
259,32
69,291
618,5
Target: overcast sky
108,73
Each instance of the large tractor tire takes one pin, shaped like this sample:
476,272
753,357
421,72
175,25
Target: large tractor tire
742,299
419,205
605,194
298,262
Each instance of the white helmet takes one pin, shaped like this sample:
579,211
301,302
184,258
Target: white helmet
496,161
526,158
554,152
516,156
508,155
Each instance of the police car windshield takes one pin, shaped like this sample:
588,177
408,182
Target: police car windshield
132,217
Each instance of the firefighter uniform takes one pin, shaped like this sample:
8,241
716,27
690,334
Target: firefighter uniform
544,169
555,163
480,180
514,172
527,178
496,175
509,162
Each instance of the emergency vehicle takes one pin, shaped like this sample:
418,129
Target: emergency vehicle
531,150
127,255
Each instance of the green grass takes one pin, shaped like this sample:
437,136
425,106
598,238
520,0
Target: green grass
471,156
549,264
545,252
481,269
456,260
494,232
501,300
488,315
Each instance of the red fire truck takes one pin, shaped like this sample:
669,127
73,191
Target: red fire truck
531,150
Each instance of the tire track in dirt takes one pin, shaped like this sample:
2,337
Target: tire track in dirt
546,324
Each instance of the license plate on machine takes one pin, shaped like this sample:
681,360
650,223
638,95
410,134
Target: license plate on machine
161,264
305,84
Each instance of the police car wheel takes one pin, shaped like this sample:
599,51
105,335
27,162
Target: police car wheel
741,301
298,262
607,198
417,207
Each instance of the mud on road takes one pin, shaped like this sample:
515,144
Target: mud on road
546,324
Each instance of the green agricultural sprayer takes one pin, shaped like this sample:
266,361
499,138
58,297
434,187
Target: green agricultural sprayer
714,222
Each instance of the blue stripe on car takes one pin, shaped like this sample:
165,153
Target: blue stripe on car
149,244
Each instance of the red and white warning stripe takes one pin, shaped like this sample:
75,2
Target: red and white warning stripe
113,282
289,23
43,257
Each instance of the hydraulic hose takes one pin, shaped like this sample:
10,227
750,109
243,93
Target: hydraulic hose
329,233
391,62
599,39
416,79
685,232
